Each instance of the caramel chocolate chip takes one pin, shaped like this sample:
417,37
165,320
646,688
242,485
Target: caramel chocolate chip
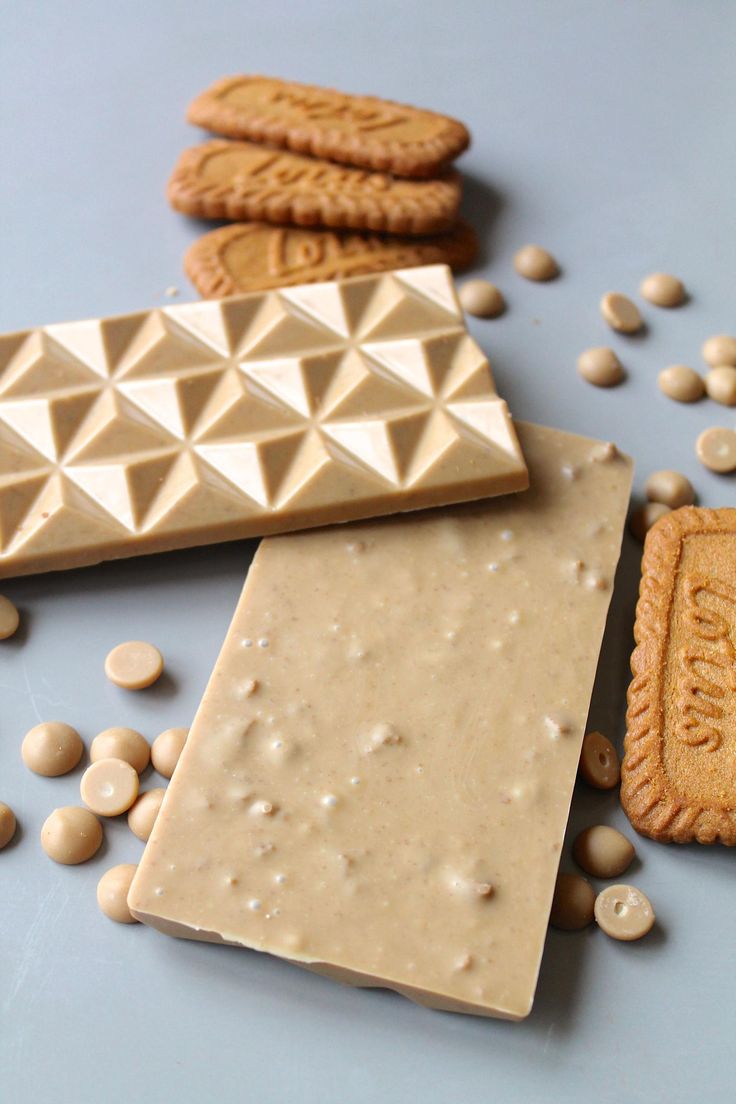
624,913
482,299
671,488
621,313
601,367
109,787
716,449
602,851
143,813
51,748
121,743
599,763
7,824
573,903
681,383
720,349
534,263
71,835
663,290
644,517
166,750
112,893
9,618
134,665
720,384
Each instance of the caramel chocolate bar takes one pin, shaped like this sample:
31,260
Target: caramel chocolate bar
253,256
210,421
377,781
355,130
679,769
241,180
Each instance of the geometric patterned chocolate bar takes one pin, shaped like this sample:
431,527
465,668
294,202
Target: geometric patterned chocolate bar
236,418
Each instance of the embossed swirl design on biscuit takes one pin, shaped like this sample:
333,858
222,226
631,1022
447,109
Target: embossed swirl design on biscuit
693,806
254,256
319,105
242,180
356,130
707,663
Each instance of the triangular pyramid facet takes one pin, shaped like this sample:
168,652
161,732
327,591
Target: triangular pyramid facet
160,346
235,410
477,384
191,492
206,323
321,302
41,367
174,402
433,282
16,499
405,433
146,477
84,341
311,457
117,336
48,424
245,318
367,444
449,361
106,484
63,518
285,333
31,420
439,435
283,379
405,360
68,413
367,302
465,365
318,372
255,468
16,455
194,393
319,478
238,461
123,490
403,314
488,425
10,346
360,389
278,457
116,429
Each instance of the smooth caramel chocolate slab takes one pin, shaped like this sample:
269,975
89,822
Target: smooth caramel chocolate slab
357,130
377,781
242,180
261,414
678,776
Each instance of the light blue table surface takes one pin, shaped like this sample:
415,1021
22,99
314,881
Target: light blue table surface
604,131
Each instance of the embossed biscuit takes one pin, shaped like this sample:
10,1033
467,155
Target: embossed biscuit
357,130
679,769
254,256
242,180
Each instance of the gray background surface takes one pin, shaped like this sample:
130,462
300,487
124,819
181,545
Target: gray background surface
603,131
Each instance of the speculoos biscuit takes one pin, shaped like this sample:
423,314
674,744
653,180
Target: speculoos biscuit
679,768
366,131
244,181
255,256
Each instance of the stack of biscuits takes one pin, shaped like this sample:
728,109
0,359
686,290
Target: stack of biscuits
318,185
